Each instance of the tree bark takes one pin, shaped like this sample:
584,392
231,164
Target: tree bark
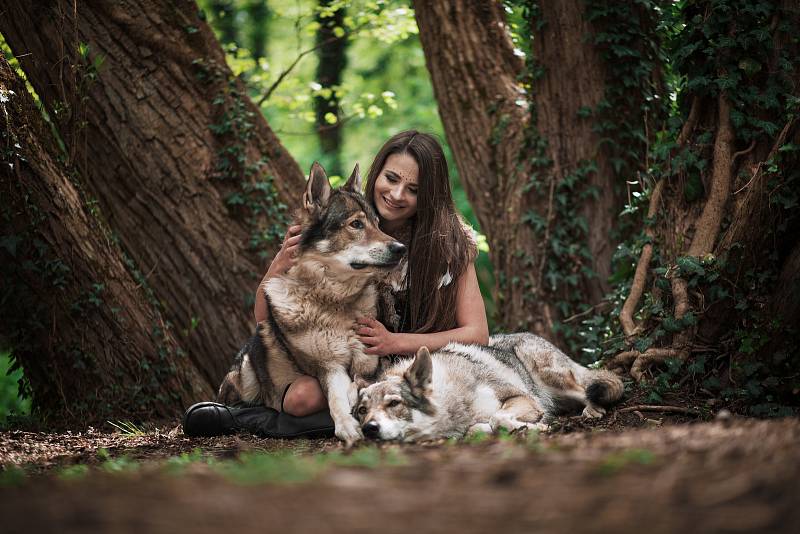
92,344
184,169
508,172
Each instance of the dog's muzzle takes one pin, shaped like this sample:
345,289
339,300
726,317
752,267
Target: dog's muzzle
371,430
396,251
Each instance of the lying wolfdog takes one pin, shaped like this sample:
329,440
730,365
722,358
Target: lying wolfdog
312,309
519,380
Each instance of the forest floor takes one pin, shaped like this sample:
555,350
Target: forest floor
635,470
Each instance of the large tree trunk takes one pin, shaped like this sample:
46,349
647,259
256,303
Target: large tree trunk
523,159
93,345
184,169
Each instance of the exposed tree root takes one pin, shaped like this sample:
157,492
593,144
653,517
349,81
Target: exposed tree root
640,277
707,228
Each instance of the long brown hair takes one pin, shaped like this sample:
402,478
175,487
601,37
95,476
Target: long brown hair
440,242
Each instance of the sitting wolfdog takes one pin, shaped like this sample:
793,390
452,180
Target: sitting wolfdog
312,309
519,380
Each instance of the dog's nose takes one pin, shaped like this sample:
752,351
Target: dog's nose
397,248
371,429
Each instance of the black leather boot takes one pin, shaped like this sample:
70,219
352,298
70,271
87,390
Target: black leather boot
208,419
213,419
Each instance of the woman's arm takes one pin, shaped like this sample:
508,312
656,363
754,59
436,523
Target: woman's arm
470,318
284,259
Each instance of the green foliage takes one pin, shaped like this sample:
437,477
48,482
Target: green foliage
11,383
617,461
706,50
127,428
285,467
116,465
11,475
73,472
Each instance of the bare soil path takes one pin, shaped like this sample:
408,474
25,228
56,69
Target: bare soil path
735,475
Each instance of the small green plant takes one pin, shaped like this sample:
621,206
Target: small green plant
475,438
286,467
73,472
11,475
127,428
176,465
616,461
120,464
11,380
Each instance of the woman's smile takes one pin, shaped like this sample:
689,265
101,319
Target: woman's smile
396,187
392,205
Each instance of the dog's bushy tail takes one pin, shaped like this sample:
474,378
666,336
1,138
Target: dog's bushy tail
605,388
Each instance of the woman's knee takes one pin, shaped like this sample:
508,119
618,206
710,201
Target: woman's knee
304,397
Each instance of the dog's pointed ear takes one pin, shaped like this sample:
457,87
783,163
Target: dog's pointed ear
354,182
318,189
420,373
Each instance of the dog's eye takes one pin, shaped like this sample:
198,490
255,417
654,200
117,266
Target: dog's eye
362,410
392,403
357,224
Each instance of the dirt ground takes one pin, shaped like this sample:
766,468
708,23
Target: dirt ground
633,472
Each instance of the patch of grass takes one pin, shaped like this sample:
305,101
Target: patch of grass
127,428
176,465
12,475
73,472
618,460
286,467
476,438
120,464
258,468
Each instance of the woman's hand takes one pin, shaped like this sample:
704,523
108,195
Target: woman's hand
287,255
377,338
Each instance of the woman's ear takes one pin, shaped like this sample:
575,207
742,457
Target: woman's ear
318,189
354,182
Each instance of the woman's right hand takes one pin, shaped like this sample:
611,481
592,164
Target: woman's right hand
287,255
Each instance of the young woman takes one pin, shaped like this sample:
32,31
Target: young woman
409,187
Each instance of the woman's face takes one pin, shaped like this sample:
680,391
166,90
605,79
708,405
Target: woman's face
396,189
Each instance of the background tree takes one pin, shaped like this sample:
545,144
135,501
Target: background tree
538,149
258,13
85,327
189,177
224,13
332,60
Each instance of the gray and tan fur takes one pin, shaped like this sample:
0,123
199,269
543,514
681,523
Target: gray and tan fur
519,380
311,310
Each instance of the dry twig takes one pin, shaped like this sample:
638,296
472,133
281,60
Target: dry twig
658,408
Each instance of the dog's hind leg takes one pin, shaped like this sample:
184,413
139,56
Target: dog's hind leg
228,391
517,413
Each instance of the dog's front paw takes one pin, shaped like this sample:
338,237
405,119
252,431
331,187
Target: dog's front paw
512,424
348,431
593,412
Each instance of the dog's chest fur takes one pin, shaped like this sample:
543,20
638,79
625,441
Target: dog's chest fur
317,314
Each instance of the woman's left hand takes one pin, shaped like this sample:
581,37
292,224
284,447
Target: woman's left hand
376,337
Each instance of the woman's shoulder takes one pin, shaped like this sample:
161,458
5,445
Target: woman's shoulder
470,238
